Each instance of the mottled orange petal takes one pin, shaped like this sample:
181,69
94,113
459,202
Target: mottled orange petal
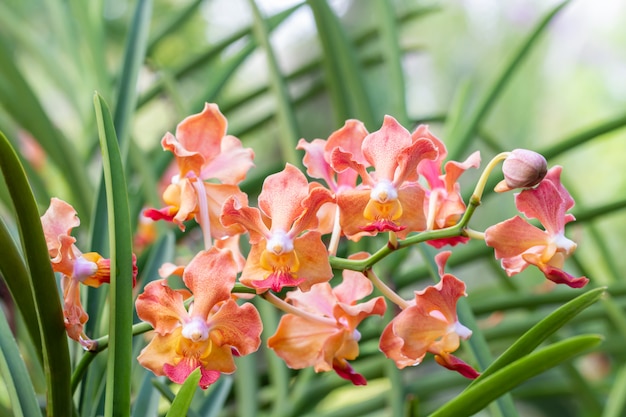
282,196
352,203
232,164
161,306
210,276
237,326
160,350
233,212
313,257
300,342
381,148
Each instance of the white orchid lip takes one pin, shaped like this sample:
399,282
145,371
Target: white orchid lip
384,191
279,242
196,330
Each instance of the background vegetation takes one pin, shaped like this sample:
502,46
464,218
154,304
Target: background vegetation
483,74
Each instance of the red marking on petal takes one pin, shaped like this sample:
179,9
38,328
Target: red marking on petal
179,373
276,281
382,225
452,241
455,364
561,277
346,371
162,214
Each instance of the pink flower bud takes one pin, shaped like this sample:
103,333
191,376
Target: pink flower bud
522,169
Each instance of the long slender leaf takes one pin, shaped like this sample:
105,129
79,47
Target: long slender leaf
542,330
288,126
393,59
120,301
31,116
50,315
181,403
15,274
214,402
478,396
616,403
343,73
15,375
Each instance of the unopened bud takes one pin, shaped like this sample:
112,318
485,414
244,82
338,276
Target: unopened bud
522,169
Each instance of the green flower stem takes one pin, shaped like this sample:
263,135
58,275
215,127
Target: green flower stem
482,181
386,291
291,309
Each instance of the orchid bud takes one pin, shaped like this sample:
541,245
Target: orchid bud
522,169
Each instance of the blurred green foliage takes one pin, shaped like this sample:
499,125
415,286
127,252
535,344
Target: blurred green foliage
484,75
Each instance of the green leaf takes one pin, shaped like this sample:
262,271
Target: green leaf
392,53
542,330
616,402
185,395
478,396
117,402
28,112
214,402
288,126
15,375
344,75
50,314
147,400
15,274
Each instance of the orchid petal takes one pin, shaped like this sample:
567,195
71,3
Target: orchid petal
232,164
161,306
210,276
381,148
249,217
282,196
514,236
237,326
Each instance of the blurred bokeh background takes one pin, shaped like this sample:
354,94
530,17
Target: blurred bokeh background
484,74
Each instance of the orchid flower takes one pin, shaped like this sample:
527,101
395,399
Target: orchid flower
389,197
443,202
203,151
318,159
75,267
519,244
208,334
281,254
429,324
324,335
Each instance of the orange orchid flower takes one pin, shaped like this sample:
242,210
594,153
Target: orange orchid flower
520,244
443,202
318,159
282,255
325,336
203,151
208,334
74,266
388,196
429,324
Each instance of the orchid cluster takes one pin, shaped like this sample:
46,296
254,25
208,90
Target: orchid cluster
357,184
